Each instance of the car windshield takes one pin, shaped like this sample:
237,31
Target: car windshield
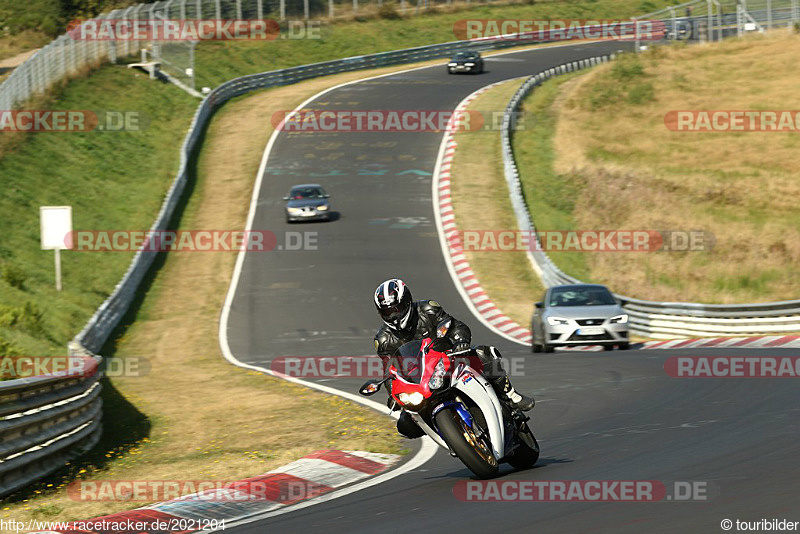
300,193
581,296
465,55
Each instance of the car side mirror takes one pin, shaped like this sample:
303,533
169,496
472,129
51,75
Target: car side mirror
285,198
539,305
326,195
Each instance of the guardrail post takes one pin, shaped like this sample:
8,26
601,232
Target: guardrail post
305,9
283,10
355,7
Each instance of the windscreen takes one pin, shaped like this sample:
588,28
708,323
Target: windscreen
581,296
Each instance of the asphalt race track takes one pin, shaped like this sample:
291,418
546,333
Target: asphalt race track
600,416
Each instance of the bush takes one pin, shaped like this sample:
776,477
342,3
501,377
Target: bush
389,11
28,318
641,93
14,276
627,68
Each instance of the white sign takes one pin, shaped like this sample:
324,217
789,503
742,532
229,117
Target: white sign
56,225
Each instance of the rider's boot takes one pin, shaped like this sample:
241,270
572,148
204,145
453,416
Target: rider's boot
502,386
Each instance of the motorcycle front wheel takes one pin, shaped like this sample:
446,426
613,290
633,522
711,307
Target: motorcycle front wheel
473,451
527,453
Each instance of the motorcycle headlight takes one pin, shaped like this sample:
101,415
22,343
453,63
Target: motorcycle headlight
555,321
437,380
410,399
619,319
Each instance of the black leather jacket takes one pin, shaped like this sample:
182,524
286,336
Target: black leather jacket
426,316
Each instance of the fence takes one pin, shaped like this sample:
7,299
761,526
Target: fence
713,20
652,319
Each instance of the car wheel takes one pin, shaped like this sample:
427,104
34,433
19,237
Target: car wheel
624,346
548,347
608,347
535,347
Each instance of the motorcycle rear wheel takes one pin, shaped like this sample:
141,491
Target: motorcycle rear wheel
463,441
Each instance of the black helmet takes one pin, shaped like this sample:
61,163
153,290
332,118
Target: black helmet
394,303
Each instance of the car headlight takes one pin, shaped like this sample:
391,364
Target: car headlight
410,399
294,210
555,321
452,64
437,380
619,319
469,64
324,207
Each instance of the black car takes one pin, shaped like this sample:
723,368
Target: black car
466,62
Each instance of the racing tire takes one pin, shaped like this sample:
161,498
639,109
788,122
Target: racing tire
479,457
526,454
624,346
608,347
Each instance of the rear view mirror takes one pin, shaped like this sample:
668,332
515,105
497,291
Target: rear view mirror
370,387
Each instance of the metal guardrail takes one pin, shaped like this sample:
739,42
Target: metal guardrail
649,318
47,420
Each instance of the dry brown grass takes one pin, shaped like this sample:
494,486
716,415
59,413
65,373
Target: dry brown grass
742,187
481,202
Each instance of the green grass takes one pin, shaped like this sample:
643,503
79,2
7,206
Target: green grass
111,180
550,196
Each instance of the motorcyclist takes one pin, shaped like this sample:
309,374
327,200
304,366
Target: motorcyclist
405,320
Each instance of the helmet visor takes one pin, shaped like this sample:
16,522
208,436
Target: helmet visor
394,314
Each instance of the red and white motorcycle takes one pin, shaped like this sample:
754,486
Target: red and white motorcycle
457,407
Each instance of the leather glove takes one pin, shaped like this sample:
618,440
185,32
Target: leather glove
461,347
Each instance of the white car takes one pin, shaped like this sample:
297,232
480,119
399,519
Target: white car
578,314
